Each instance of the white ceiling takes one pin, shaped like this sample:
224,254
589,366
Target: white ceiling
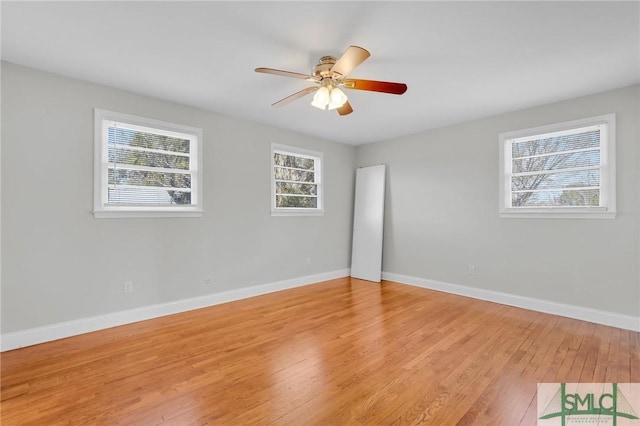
460,60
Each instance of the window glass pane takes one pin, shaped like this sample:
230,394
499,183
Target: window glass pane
140,196
559,161
590,139
123,136
294,174
567,198
146,178
293,161
296,180
132,148
295,188
291,201
148,159
556,180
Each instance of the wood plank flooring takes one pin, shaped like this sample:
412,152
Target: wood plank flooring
334,353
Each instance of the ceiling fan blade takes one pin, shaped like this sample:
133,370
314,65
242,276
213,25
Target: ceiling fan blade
375,86
345,109
350,59
295,96
283,73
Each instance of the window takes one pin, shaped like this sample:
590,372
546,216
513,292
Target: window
564,170
296,181
146,168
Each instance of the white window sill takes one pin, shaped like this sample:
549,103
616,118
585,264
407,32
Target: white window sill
596,213
297,212
132,214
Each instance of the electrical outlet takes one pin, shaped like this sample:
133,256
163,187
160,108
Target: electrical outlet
472,270
128,287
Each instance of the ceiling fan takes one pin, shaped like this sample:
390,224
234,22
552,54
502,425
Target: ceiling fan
329,75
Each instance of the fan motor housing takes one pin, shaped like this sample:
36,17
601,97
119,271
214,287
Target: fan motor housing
323,69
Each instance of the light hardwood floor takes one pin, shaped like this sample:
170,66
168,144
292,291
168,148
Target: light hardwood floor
339,352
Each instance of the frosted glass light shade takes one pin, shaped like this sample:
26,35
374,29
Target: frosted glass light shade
337,98
321,98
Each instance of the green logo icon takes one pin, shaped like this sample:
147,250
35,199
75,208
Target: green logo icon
588,400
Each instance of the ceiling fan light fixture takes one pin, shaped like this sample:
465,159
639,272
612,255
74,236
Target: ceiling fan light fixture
330,73
329,98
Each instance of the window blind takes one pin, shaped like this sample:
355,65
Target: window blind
148,168
295,181
557,169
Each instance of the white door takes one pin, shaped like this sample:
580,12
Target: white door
368,221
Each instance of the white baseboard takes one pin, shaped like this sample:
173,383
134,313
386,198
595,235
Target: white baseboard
571,311
33,336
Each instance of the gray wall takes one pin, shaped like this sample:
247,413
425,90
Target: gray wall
442,213
60,264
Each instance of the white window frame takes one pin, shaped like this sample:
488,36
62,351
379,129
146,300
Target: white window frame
607,208
101,209
319,178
